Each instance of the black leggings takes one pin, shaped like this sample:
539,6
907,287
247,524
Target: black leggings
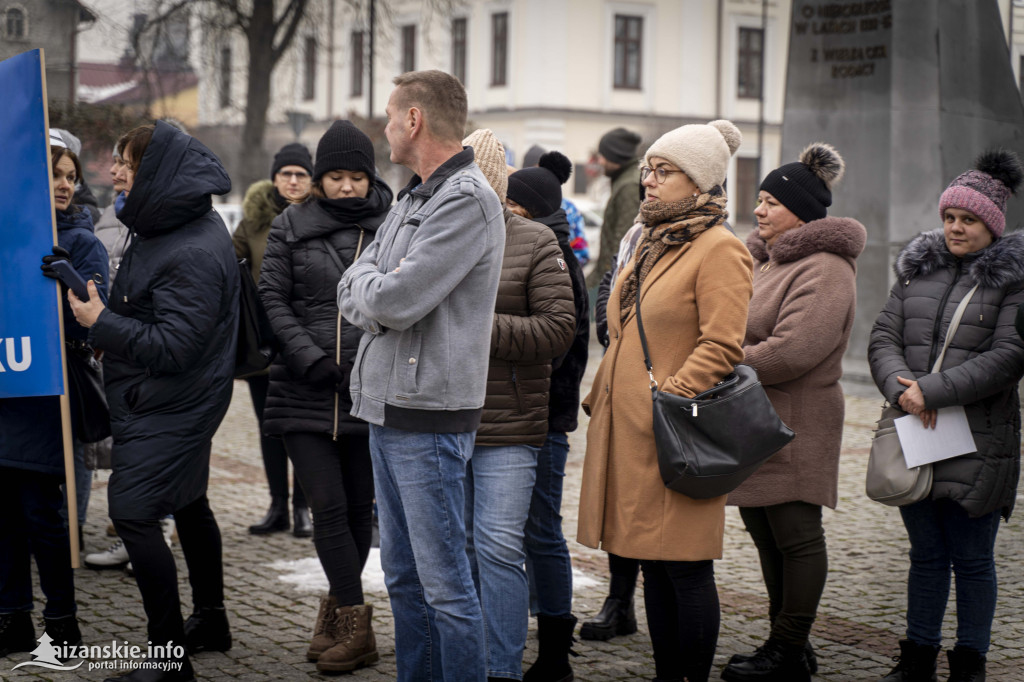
275,457
683,617
337,477
794,562
157,575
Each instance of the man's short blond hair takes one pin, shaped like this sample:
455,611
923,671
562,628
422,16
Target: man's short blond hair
441,98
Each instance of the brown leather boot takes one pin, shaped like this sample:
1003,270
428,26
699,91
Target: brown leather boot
356,645
325,632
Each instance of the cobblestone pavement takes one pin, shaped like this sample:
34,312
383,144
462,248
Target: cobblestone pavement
272,609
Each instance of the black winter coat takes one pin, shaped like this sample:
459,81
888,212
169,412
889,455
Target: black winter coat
568,370
169,334
981,369
30,428
299,289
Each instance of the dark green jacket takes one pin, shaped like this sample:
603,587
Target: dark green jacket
619,214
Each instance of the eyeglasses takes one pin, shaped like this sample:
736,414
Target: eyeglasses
298,175
660,174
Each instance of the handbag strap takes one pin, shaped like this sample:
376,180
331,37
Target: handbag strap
953,324
643,343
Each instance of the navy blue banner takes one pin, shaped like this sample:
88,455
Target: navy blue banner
30,351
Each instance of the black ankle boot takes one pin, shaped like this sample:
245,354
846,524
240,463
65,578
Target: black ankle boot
774,661
207,630
64,631
966,665
16,633
617,616
275,520
916,663
303,525
809,655
554,646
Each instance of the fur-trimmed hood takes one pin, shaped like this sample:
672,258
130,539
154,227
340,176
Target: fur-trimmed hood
842,236
259,205
996,266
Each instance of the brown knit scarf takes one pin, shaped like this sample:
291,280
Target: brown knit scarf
667,225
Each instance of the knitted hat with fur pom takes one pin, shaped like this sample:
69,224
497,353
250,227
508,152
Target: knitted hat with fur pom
702,151
489,154
539,189
805,186
984,191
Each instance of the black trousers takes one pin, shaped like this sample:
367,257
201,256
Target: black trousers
157,574
338,479
794,562
683,617
275,457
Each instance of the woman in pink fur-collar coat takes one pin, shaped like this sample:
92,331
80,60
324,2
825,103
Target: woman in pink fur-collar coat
799,323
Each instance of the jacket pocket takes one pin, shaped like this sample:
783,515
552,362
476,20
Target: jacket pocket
517,390
408,363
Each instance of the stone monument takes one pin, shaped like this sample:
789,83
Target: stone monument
909,92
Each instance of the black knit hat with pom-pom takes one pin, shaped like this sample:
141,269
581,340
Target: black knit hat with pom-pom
539,189
805,186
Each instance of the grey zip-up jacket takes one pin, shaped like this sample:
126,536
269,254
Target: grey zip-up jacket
422,363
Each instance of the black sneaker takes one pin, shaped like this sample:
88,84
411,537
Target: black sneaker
207,629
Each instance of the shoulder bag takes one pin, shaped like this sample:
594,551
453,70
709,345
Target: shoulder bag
90,416
709,444
889,481
256,345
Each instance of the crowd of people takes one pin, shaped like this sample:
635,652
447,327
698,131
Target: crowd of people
430,356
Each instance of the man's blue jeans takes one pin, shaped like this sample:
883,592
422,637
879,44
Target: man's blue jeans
499,483
943,536
547,556
419,479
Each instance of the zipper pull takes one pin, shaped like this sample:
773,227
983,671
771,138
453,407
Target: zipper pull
695,409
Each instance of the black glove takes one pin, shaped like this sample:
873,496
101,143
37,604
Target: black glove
324,373
48,261
342,384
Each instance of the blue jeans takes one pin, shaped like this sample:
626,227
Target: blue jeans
499,483
942,536
547,557
419,479
30,504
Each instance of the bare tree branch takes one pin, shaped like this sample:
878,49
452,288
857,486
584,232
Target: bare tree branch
297,9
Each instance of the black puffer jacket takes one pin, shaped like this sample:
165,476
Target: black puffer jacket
982,366
169,334
298,287
568,369
533,324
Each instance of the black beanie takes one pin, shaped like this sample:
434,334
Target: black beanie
805,186
344,147
293,154
619,145
539,189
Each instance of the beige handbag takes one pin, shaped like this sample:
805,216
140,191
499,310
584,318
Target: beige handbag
889,481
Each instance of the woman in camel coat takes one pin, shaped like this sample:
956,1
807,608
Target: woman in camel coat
694,283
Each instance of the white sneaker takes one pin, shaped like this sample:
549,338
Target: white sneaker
168,528
114,556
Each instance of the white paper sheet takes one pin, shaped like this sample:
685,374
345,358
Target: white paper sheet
951,437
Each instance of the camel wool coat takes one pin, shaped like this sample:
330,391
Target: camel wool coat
801,315
694,306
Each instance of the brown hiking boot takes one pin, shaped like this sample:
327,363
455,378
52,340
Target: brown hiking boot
325,632
356,645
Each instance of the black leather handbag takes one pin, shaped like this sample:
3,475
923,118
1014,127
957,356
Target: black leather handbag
709,444
257,345
90,417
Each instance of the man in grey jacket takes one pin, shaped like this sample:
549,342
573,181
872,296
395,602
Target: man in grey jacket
424,293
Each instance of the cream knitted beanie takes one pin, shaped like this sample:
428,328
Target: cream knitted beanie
490,156
701,151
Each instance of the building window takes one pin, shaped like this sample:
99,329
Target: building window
629,33
499,48
357,64
309,75
224,84
408,48
15,23
751,59
746,191
459,49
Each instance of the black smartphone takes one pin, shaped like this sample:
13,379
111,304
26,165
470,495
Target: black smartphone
71,278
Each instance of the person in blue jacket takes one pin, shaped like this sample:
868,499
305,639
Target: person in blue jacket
32,454
169,341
